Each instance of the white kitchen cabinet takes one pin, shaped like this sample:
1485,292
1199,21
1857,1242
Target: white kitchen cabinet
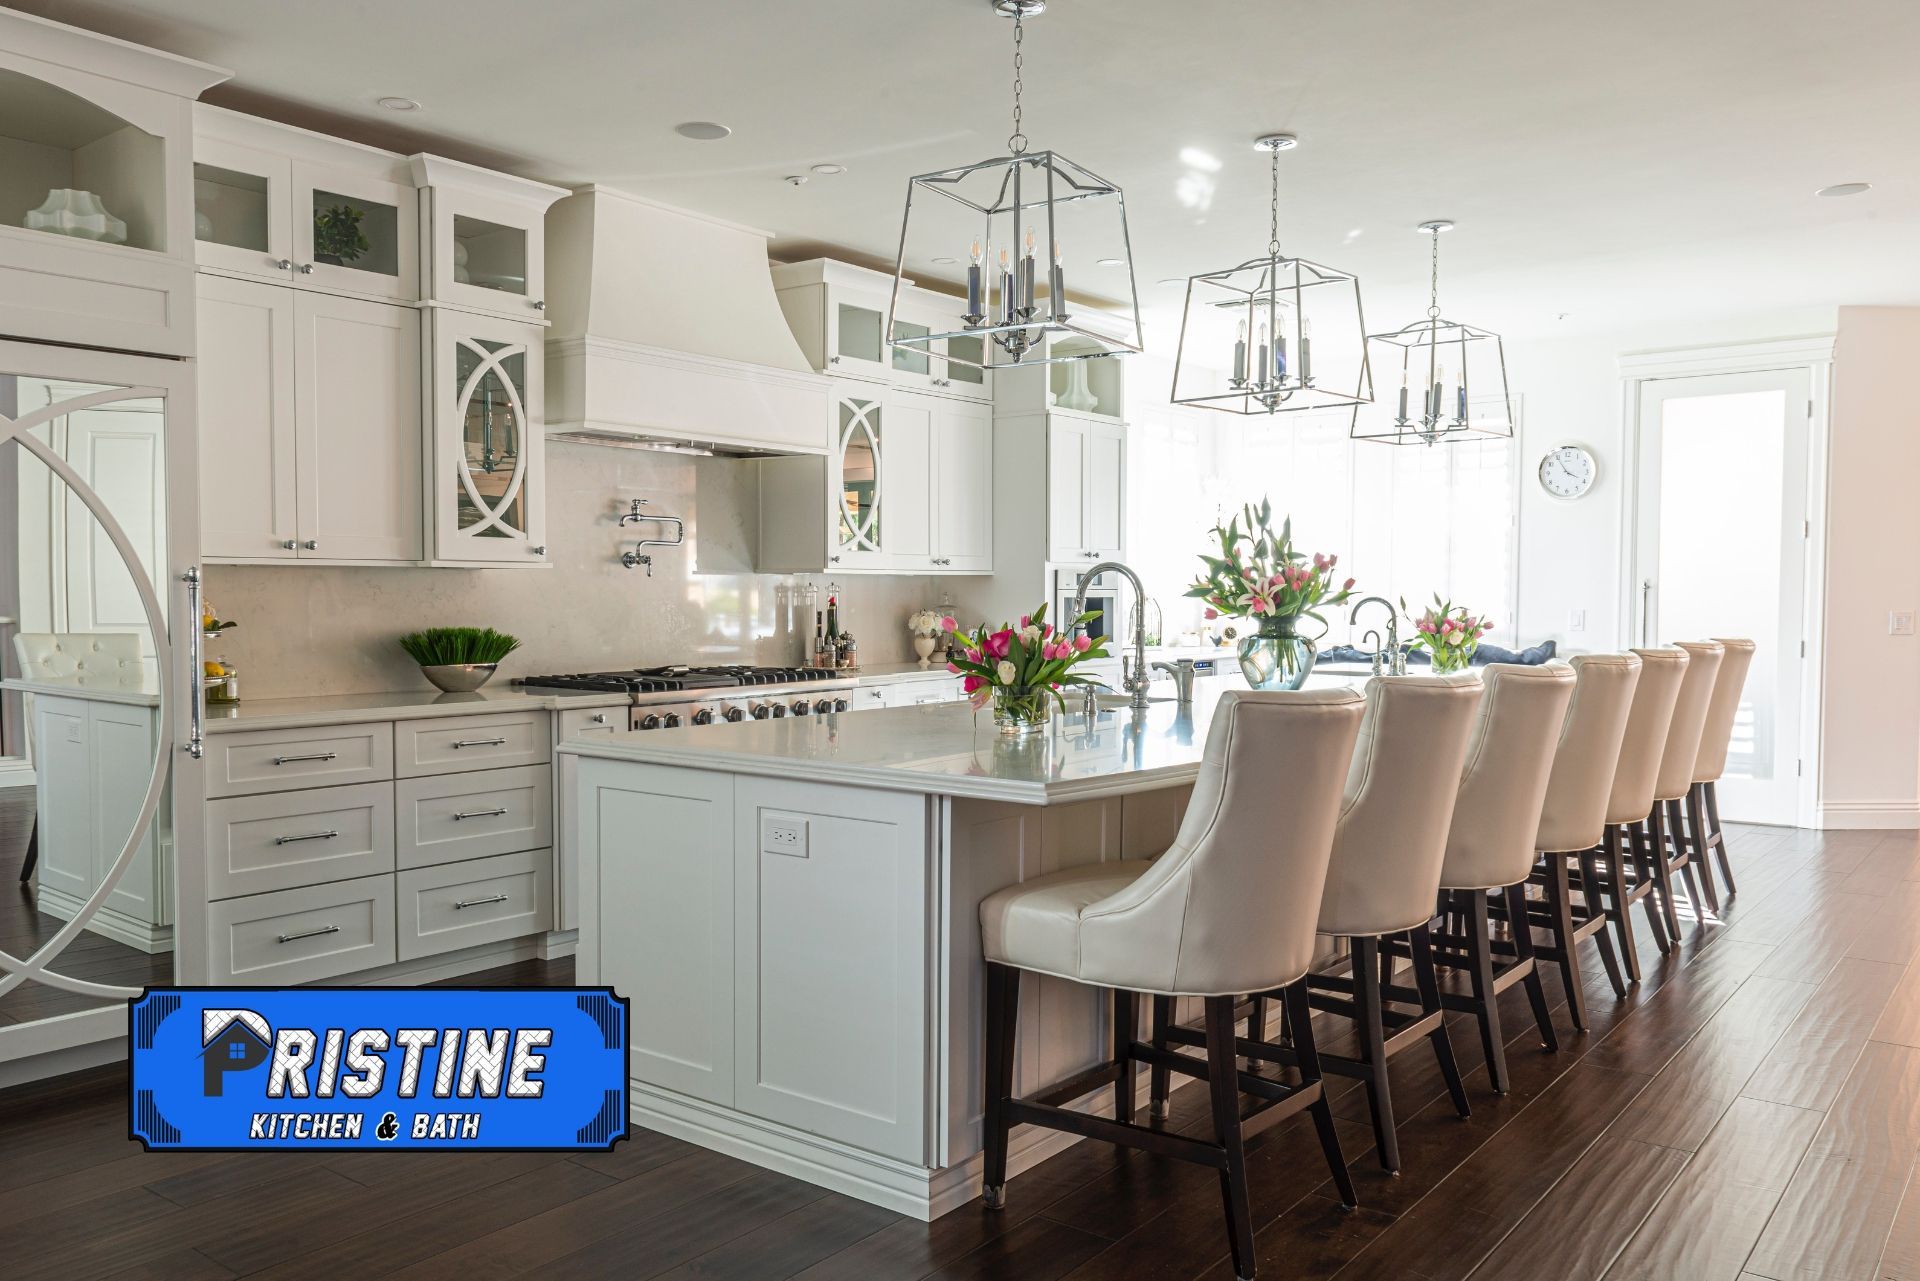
1086,488
838,314
483,238
247,452
487,481
961,488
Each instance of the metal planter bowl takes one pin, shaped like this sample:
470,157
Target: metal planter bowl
460,678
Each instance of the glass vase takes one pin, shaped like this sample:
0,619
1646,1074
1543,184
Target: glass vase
1021,710
1451,658
1277,657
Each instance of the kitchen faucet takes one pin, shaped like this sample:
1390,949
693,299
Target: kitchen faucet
1182,671
1396,658
1136,680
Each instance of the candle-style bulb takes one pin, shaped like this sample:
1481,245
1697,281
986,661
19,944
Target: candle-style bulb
1003,260
974,253
1240,333
1056,253
1030,241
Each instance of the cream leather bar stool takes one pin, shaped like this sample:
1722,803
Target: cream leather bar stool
1385,878
1617,870
1703,798
59,654
1666,822
1574,818
1490,847
1228,909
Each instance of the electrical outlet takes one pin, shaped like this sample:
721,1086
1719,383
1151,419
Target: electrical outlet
783,834
1576,620
1900,623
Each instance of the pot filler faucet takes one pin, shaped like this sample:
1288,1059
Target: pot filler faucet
1136,680
1396,657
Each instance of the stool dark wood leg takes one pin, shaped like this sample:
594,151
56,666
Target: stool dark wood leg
1256,1027
1223,1083
1651,869
32,859
1611,890
1003,1015
1307,1057
1523,954
1373,1049
1710,803
1690,837
1656,833
1560,907
1124,1010
1420,943
1486,1002
1157,1077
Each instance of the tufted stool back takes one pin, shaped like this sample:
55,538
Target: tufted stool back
44,654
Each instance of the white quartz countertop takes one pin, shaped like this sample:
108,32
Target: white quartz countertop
947,749
134,687
302,713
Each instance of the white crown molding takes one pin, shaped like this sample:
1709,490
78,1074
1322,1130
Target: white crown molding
1733,358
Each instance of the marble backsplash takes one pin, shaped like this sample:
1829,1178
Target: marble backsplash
319,631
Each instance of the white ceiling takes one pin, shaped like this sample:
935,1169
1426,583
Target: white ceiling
1606,161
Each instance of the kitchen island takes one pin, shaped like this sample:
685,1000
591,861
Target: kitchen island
791,907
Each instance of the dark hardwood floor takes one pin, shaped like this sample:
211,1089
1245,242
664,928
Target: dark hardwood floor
24,928
1751,1110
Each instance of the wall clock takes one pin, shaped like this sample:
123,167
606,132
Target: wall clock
1568,471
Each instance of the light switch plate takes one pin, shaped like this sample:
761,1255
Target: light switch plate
783,834
1900,623
1576,620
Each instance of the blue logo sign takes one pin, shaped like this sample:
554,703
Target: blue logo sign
467,1069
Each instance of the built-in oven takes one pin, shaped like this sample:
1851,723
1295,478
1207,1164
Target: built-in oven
1103,594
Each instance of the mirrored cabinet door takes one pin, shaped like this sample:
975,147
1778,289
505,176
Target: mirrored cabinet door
858,512
488,441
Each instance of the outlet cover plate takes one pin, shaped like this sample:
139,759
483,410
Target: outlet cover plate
783,834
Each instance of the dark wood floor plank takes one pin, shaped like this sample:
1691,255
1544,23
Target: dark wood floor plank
1900,1022
1900,1261
1037,1250
180,1265
789,1244
1662,1028
669,1242
1813,1056
1832,1221
1578,1228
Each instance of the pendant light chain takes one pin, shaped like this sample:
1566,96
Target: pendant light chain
1017,141
1433,281
1273,209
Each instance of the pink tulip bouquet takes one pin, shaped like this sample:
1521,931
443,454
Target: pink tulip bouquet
1448,633
1258,574
1022,670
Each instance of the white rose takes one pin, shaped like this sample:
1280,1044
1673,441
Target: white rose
1005,671
1029,634
1456,637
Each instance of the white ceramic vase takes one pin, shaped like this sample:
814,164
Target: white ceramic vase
924,647
80,214
1078,395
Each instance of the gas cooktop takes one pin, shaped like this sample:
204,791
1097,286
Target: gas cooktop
651,680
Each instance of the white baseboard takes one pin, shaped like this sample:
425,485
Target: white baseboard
1867,815
556,944
154,940
448,965
15,772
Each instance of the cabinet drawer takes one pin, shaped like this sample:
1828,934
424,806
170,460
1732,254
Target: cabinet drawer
304,935
454,744
449,817
481,901
274,760
282,839
592,720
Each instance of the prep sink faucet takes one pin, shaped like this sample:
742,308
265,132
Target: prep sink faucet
1137,680
1396,658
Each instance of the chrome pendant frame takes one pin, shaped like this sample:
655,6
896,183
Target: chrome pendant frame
1272,290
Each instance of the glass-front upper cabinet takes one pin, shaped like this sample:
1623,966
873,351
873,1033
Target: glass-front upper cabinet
857,531
486,238
489,475
839,312
279,203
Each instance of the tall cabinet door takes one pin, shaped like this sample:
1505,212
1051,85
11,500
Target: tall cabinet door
488,445
860,538
963,493
906,478
246,420
1106,489
357,429
1067,467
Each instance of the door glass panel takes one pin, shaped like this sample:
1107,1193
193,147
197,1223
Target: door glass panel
362,234
967,348
912,360
492,499
489,255
70,167
860,329
1722,471
860,474
230,207
79,699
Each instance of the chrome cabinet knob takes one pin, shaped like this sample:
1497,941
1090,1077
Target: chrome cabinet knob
833,360
541,550
312,544
289,544
306,269
539,304
600,718
284,264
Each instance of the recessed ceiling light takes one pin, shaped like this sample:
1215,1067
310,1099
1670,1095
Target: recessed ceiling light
795,180
829,170
1111,262
945,262
1845,189
398,104
702,130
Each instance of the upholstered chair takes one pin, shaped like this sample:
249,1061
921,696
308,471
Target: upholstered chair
1385,879
1490,845
1573,820
1228,909
1620,871
1666,822
1703,798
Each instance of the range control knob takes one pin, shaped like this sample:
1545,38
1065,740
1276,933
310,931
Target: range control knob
761,711
703,717
671,721
841,704
801,707
779,710
650,721
824,706
736,714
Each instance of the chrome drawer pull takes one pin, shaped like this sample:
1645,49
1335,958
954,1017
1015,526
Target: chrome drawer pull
480,742
481,902
311,756
307,934
478,814
310,836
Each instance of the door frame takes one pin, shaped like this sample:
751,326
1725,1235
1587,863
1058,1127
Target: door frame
66,1042
1813,355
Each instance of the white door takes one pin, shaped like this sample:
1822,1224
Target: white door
357,429
1720,549
963,488
247,419
1068,445
1106,489
489,477
907,480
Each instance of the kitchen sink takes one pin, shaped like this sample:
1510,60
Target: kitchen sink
1120,702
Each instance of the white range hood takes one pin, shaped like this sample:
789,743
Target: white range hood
667,334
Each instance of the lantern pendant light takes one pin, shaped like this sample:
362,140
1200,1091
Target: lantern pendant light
1452,376
1274,334
1016,218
